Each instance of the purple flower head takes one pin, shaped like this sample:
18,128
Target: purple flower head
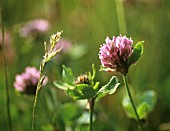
28,80
37,26
115,53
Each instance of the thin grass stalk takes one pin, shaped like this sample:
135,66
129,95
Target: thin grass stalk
5,71
39,85
49,55
121,16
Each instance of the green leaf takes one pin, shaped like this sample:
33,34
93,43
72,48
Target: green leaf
92,76
147,103
96,86
74,94
86,90
110,87
62,86
81,91
128,108
94,72
143,110
137,52
67,75
70,112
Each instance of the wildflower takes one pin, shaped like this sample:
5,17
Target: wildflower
37,26
115,53
28,80
84,87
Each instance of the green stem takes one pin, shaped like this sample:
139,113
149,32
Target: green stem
35,102
91,120
5,70
91,110
133,105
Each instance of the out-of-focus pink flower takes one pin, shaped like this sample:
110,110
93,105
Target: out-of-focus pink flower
7,39
28,80
9,51
115,53
65,44
37,26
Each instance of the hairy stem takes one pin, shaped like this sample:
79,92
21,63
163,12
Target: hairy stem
133,105
5,71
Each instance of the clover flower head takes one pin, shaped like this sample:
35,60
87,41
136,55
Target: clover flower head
115,53
28,80
37,26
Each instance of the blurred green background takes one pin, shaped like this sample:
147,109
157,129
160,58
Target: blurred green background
88,23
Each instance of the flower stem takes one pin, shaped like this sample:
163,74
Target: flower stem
133,105
91,110
91,120
5,70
